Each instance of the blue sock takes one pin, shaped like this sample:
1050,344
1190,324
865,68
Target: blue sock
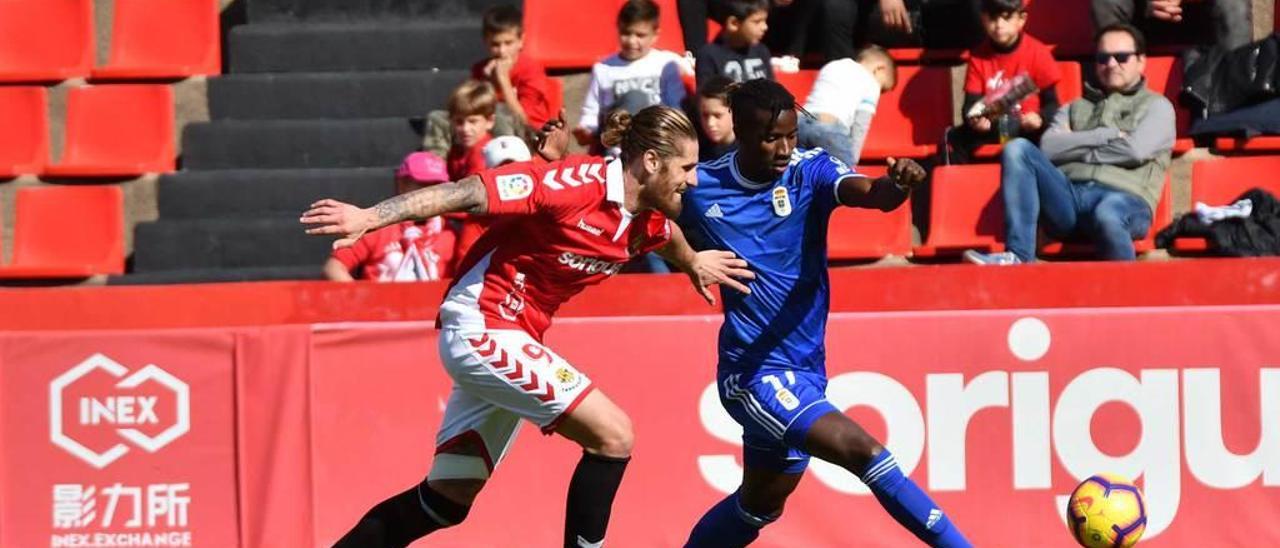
727,525
908,504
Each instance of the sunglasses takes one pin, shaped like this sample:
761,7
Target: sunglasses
1121,57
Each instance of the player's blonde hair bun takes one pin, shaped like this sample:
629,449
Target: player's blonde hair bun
658,128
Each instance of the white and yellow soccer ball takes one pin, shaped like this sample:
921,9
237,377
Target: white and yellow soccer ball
1107,511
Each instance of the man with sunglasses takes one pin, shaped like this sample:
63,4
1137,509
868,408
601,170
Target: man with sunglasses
1101,165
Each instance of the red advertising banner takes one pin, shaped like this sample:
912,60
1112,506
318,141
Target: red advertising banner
996,413
284,436
117,439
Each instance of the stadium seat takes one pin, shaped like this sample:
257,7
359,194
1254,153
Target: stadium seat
24,141
163,39
67,232
45,40
798,83
966,211
859,234
1220,181
911,118
1245,145
571,34
1163,217
923,55
1070,88
1164,75
116,131
1065,25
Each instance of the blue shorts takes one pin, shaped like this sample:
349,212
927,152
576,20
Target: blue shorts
776,408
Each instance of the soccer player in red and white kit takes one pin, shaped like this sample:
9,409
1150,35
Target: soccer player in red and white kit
559,228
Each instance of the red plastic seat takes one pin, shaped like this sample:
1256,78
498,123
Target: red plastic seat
923,55
67,232
966,211
163,39
1164,75
572,34
856,233
911,118
116,131
45,40
1221,180
24,142
798,83
1065,25
1070,88
1163,217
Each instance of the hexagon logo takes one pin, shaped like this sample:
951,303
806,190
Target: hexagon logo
120,410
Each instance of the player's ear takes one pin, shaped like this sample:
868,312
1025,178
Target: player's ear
652,162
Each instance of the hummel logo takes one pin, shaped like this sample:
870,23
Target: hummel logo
714,212
935,516
582,223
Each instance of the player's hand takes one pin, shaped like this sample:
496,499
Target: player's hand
1165,10
333,217
980,124
895,15
906,172
553,139
713,267
1032,121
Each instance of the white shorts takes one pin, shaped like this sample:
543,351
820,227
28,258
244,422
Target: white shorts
501,376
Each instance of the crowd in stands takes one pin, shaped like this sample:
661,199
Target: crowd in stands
1092,168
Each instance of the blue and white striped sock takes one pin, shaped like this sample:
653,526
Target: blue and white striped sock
908,504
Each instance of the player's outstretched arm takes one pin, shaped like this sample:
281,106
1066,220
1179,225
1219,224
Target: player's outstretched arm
327,217
706,268
885,193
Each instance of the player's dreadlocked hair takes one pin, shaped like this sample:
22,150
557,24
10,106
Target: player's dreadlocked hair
658,128
760,95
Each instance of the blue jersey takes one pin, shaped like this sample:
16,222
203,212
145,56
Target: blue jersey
780,228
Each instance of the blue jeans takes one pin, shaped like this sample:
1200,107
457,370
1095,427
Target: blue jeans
1033,189
833,138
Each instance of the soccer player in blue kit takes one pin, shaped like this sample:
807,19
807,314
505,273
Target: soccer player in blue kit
769,203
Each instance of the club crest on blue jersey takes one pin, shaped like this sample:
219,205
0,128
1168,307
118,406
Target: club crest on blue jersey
781,201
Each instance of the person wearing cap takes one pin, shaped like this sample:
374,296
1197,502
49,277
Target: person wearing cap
420,250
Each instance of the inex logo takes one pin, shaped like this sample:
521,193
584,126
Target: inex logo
136,407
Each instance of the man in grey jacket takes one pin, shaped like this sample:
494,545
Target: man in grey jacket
1102,162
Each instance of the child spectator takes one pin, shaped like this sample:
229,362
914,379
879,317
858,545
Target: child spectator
715,127
409,251
636,77
471,115
520,83
844,100
1006,53
737,52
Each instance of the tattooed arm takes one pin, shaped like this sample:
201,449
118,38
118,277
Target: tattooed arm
334,217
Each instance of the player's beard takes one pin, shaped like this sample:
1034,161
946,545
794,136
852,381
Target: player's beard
662,195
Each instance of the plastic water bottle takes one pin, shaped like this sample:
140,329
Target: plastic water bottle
1007,125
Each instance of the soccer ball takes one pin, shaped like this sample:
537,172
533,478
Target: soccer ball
1107,511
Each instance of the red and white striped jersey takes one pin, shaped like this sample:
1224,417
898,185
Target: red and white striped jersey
559,227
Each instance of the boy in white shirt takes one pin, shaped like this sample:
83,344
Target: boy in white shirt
843,101
636,77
